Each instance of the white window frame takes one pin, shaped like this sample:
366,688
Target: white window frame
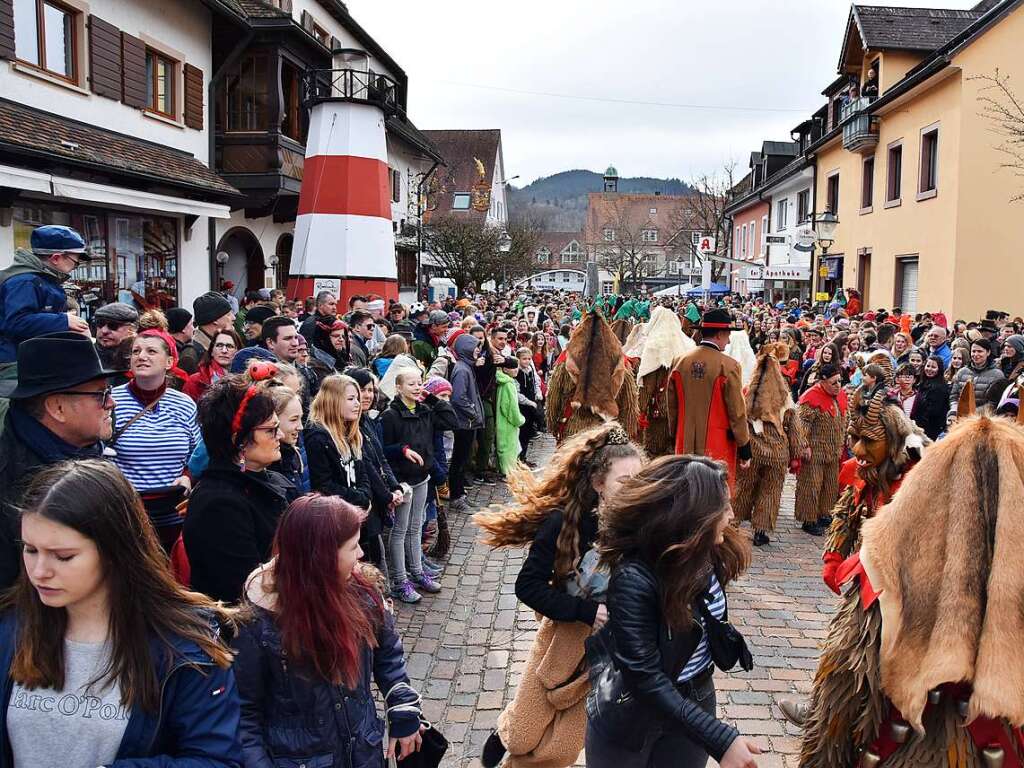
609,234
649,235
782,214
457,197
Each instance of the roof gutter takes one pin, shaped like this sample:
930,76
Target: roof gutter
211,100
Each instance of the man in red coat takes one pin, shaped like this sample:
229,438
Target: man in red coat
707,413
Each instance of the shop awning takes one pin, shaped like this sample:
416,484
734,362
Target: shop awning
87,191
23,178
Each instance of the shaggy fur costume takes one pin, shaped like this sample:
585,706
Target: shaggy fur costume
593,384
776,439
878,419
817,485
621,329
953,610
944,556
664,342
544,725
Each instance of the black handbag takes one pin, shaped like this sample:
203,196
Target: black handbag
431,751
726,643
610,702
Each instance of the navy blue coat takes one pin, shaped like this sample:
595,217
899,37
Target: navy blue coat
31,304
291,718
196,727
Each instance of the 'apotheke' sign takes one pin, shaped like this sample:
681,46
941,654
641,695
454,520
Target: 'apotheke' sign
787,273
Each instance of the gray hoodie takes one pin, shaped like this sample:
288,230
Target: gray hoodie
465,394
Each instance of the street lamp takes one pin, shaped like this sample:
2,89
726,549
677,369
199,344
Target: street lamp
825,233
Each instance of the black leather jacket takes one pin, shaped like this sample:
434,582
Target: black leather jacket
650,656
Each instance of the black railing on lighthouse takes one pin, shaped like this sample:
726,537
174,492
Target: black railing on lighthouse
353,85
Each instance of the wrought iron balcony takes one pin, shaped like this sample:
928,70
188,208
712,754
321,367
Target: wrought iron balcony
355,85
860,130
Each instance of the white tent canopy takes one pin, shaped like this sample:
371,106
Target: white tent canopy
674,290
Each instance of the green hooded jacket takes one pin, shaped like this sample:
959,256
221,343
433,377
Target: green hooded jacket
507,419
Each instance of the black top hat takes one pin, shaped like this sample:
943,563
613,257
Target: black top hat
988,325
56,362
717,320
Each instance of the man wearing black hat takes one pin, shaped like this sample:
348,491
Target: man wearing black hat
211,313
181,327
61,409
707,413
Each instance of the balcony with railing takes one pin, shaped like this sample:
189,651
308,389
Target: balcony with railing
349,84
860,130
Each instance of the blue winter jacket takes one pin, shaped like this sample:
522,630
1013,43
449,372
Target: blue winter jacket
196,726
32,303
290,718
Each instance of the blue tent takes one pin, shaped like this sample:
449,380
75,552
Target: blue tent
715,288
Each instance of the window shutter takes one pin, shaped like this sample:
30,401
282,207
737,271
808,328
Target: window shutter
334,43
133,75
307,22
193,97
6,29
105,68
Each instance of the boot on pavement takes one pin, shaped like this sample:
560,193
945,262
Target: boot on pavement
795,711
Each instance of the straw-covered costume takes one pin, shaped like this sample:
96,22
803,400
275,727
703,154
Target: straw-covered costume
824,420
663,343
591,382
776,442
922,664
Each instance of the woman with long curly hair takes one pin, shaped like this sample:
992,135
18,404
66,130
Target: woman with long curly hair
557,516
667,539
319,633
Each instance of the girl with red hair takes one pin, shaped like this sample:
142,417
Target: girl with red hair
319,631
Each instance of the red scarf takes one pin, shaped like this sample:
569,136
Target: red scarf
146,396
816,397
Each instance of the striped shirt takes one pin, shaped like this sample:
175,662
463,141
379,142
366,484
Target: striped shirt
153,451
701,658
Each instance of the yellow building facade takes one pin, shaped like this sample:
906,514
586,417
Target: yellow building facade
918,182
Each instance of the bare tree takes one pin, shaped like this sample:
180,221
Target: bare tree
706,212
525,231
1005,111
463,250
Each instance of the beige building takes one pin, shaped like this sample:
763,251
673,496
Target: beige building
914,171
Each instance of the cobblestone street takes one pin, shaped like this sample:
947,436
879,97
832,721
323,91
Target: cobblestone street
467,646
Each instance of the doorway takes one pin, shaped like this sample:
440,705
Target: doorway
244,266
864,276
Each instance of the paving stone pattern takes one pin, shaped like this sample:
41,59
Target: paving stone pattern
467,646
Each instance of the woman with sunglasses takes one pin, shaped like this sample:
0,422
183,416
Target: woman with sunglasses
215,363
235,507
155,432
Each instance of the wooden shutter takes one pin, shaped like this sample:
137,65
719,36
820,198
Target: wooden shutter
133,75
104,58
334,43
193,97
307,21
6,29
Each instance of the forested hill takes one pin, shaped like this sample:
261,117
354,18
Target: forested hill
559,202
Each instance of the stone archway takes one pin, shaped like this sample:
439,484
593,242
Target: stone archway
244,266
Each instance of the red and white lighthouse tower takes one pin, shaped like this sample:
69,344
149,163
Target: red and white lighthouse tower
343,233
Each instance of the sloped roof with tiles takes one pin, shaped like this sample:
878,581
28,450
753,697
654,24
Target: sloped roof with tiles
617,209
54,140
460,149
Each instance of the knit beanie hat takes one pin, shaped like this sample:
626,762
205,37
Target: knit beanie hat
437,386
177,319
210,307
240,362
259,314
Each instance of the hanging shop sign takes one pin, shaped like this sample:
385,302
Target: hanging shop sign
787,273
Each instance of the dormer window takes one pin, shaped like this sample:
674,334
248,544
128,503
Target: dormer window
649,235
460,201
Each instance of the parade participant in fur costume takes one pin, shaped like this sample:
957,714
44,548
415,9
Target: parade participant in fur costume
777,443
921,666
622,329
591,382
707,416
885,444
634,346
557,515
823,416
739,349
663,344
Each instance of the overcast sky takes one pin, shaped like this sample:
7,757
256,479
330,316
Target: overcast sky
555,75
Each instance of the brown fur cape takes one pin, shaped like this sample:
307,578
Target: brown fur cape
945,554
595,362
768,393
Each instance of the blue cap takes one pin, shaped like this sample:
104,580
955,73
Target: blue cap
54,238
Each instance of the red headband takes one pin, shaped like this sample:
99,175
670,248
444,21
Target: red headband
236,423
716,325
